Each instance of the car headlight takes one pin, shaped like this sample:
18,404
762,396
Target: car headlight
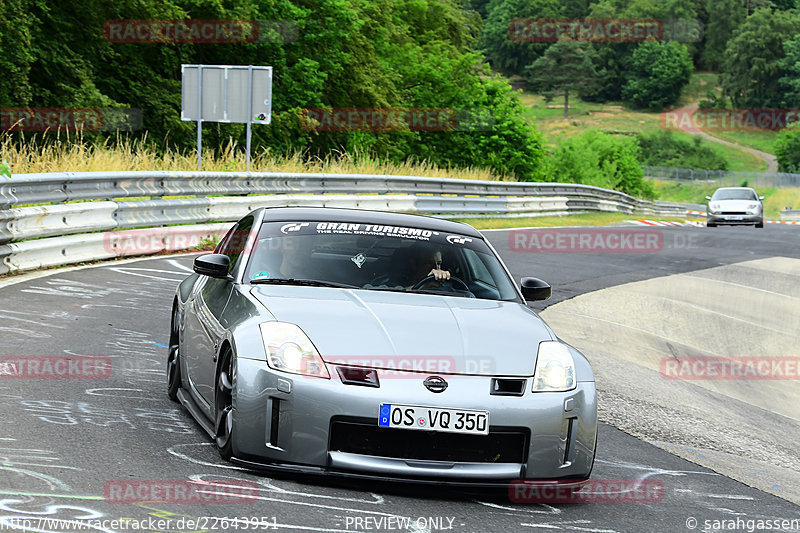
714,207
290,350
555,369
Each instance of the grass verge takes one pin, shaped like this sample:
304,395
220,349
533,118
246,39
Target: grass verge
63,153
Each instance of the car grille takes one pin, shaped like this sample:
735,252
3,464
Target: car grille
502,445
733,213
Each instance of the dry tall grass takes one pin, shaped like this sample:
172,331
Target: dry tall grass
69,153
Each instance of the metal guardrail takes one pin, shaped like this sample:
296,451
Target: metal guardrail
724,178
790,215
88,203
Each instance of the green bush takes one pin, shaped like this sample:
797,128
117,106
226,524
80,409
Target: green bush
787,149
663,149
603,160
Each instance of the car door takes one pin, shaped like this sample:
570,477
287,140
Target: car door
204,329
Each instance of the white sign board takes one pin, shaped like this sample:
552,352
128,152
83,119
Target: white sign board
226,93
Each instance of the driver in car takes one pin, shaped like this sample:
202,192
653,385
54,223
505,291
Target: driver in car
419,266
408,266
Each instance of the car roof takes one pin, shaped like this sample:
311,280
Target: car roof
736,188
364,216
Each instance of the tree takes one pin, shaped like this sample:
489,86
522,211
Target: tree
787,149
16,56
752,67
724,17
613,59
790,64
507,53
565,66
658,71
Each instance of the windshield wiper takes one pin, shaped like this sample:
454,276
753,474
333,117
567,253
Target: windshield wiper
438,292
302,282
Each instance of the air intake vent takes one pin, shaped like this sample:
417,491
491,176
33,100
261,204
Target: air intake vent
508,387
275,419
364,377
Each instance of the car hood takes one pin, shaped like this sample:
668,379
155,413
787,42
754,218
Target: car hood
428,333
734,205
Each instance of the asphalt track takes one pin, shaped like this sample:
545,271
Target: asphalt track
63,442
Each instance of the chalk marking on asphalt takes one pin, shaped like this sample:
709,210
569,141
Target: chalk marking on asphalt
267,483
549,509
176,264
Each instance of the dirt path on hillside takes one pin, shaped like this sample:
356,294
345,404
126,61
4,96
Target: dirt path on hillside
772,162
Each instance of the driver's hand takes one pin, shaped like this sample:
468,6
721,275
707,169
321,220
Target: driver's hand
439,274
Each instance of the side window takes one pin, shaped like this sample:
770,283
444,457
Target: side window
235,241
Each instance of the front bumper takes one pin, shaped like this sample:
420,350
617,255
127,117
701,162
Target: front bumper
733,220
288,422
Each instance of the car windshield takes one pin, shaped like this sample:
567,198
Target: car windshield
377,257
734,194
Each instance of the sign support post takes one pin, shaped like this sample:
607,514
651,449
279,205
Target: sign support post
199,114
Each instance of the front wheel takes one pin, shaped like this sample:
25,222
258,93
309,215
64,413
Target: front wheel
173,373
223,403
174,359
760,225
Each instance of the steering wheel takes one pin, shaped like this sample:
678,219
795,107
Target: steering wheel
453,280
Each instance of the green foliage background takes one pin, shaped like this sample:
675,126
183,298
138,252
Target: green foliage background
340,54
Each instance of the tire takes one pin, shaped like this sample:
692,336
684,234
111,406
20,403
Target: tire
223,406
173,359
710,225
173,373
760,224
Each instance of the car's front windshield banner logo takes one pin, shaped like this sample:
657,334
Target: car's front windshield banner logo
294,226
435,384
455,239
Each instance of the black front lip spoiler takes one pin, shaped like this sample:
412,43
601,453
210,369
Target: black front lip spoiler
326,472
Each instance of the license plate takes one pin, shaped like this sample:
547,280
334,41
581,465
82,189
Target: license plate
734,217
433,419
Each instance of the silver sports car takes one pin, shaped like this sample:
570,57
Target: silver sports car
735,206
370,344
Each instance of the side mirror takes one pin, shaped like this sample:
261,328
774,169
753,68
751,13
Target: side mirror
708,198
760,197
213,265
535,289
